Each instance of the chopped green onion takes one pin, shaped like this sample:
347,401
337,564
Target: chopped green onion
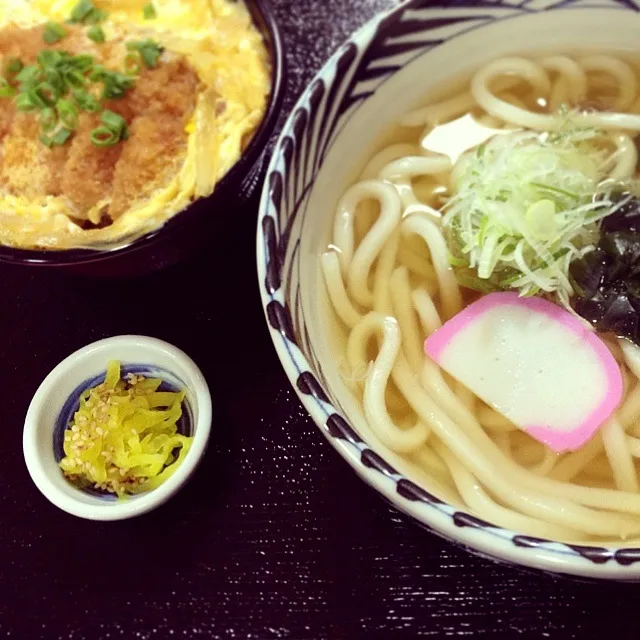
83,62
48,119
46,140
55,80
104,137
68,113
133,63
456,262
28,77
116,85
6,90
86,101
85,12
149,50
96,33
82,10
57,139
49,58
149,12
113,120
46,94
75,79
97,16
97,73
555,190
53,32
14,66
61,136
113,129
25,102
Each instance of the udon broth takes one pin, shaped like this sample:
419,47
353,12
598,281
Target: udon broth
390,286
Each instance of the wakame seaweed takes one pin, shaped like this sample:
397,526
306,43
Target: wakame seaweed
607,280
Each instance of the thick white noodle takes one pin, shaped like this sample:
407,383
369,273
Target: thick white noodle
571,73
386,156
623,75
536,76
343,229
450,295
533,73
620,459
337,292
401,173
441,112
371,246
400,441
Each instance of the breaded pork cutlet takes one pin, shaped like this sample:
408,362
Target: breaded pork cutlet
156,110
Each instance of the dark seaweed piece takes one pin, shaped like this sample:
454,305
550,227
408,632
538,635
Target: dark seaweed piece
607,280
626,218
589,272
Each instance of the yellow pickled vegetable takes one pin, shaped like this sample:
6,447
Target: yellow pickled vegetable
124,436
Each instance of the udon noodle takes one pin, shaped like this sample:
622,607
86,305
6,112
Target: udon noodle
390,284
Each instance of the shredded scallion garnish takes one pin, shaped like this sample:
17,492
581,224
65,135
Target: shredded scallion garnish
525,206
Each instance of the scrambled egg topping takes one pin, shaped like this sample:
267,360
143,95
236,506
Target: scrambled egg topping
213,56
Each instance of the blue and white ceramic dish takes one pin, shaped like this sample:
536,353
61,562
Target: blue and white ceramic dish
382,72
57,399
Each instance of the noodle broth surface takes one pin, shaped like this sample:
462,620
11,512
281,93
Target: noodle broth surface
389,285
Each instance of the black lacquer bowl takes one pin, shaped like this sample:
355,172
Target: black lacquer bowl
188,231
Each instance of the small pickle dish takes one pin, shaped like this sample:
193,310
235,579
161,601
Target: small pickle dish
117,428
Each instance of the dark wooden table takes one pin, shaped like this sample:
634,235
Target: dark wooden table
275,537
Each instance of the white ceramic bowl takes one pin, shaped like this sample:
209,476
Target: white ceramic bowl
57,398
382,72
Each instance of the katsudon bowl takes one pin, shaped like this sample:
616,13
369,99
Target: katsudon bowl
181,225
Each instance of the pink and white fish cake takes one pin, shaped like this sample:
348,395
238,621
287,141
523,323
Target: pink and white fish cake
534,363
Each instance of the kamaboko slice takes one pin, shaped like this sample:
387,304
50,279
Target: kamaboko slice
534,363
